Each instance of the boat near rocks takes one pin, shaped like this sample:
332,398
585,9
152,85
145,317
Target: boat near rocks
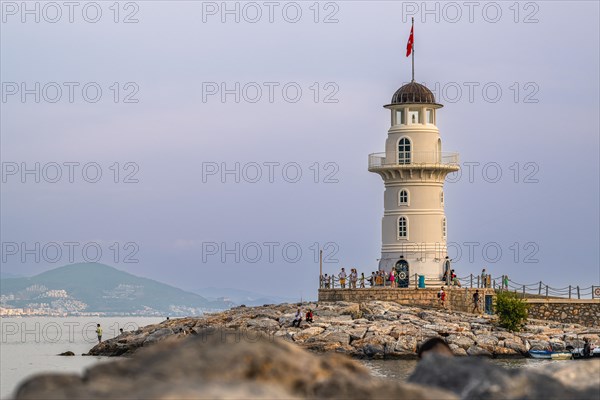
550,355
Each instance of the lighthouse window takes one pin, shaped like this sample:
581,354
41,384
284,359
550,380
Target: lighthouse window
413,116
402,228
429,114
399,117
444,228
403,197
442,197
404,151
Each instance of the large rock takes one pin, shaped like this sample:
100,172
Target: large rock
222,364
158,335
264,323
461,341
307,333
475,378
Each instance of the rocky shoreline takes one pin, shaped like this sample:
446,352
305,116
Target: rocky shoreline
221,364
374,329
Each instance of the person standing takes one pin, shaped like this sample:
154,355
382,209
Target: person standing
476,302
372,279
442,297
342,276
362,280
353,278
505,282
392,279
483,277
447,272
327,281
99,332
587,348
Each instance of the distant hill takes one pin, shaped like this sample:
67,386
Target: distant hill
8,275
105,289
239,296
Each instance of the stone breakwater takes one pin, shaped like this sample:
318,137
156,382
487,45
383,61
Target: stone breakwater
217,364
373,329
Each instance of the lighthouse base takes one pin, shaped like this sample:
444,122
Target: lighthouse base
409,268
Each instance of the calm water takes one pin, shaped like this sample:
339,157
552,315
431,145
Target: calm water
401,369
30,345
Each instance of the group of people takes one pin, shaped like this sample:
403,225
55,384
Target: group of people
450,278
298,317
476,300
353,280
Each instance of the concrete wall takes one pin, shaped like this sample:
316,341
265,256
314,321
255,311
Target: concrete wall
584,312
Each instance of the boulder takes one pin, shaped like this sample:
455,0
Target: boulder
406,345
263,323
457,351
516,346
375,346
67,353
336,336
478,351
461,341
158,335
476,378
307,333
357,333
487,342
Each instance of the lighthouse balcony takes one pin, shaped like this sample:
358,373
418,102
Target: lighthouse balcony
414,159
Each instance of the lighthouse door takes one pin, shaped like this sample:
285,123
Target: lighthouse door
403,273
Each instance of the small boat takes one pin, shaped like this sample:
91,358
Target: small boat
550,355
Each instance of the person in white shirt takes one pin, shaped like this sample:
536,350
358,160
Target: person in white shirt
342,276
297,319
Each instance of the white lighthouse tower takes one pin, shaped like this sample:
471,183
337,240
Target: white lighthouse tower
413,168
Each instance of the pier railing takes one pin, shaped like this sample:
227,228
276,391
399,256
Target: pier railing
531,290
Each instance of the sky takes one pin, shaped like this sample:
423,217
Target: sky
223,144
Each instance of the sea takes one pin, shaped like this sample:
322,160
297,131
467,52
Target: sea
30,345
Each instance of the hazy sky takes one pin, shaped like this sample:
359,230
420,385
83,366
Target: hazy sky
188,92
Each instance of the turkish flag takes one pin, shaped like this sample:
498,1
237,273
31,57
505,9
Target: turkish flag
409,45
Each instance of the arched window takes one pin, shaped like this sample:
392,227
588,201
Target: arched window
442,197
403,197
444,231
402,228
404,151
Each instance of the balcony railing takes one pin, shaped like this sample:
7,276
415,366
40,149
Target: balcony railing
412,158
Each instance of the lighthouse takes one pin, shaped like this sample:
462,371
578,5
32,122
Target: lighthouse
413,168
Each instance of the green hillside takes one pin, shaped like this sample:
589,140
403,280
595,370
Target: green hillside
105,289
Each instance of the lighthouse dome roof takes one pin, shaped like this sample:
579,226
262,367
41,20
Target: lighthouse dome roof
413,92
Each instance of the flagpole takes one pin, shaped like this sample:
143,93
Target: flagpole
413,49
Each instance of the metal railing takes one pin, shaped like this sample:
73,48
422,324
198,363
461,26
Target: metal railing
412,158
533,290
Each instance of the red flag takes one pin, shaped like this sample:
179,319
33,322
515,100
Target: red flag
409,45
